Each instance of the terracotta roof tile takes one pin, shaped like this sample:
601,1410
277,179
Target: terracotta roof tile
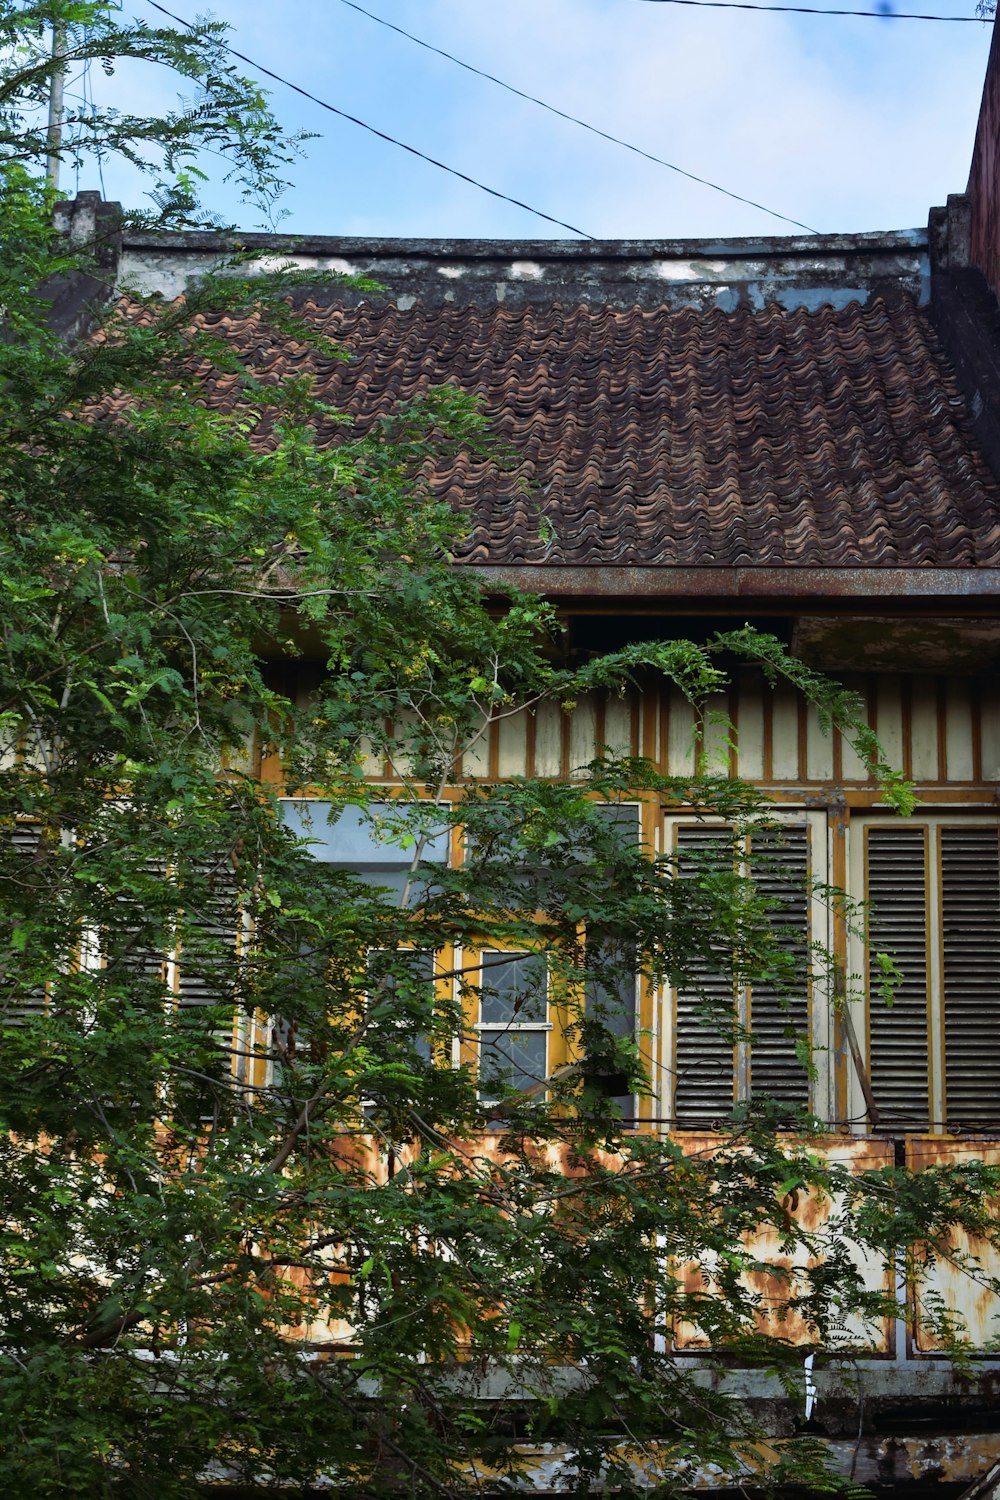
834,438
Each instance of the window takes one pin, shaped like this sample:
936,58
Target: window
376,843
933,888
370,842
616,1003
513,1026
707,1072
402,981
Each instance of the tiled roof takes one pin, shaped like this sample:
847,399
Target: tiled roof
834,438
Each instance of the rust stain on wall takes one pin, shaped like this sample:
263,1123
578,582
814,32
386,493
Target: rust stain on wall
949,1283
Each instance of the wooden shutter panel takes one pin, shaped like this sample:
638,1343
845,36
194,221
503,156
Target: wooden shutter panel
704,1058
17,1007
897,925
205,974
970,943
780,869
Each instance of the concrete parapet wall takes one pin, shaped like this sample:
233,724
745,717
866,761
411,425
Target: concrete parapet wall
806,271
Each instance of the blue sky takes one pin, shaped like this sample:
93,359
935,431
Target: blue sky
844,124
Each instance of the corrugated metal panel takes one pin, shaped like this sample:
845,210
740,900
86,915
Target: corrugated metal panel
897,925
970,941
946,1283
780,1277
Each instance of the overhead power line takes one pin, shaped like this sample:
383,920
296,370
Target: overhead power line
816,10
381,134
563,115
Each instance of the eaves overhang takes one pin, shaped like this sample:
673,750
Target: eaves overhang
641,587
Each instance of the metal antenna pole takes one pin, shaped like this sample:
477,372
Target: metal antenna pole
54,136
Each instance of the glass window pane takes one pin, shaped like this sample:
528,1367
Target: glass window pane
511,1059
351,837
513,987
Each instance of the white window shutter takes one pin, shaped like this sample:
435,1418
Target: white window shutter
897,892
970,959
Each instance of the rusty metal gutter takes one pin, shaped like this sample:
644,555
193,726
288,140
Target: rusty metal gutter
647,585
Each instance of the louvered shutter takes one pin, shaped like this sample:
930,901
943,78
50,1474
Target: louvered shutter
206,960
133,947
17,1005
710,1072
897,893
970,962
779,1017
704,1058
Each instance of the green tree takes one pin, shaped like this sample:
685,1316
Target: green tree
229,1116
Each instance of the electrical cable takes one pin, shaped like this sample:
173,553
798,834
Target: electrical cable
816,10
381,134
564,115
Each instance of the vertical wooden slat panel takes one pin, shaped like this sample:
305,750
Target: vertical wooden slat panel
989,720
853,767
548,740
512,752
11,736
681,737
371,764
924,731
819,748
476,759
785,734
890,718
401,764
663,731
618,716
750,726
717,734
582,733
958,729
